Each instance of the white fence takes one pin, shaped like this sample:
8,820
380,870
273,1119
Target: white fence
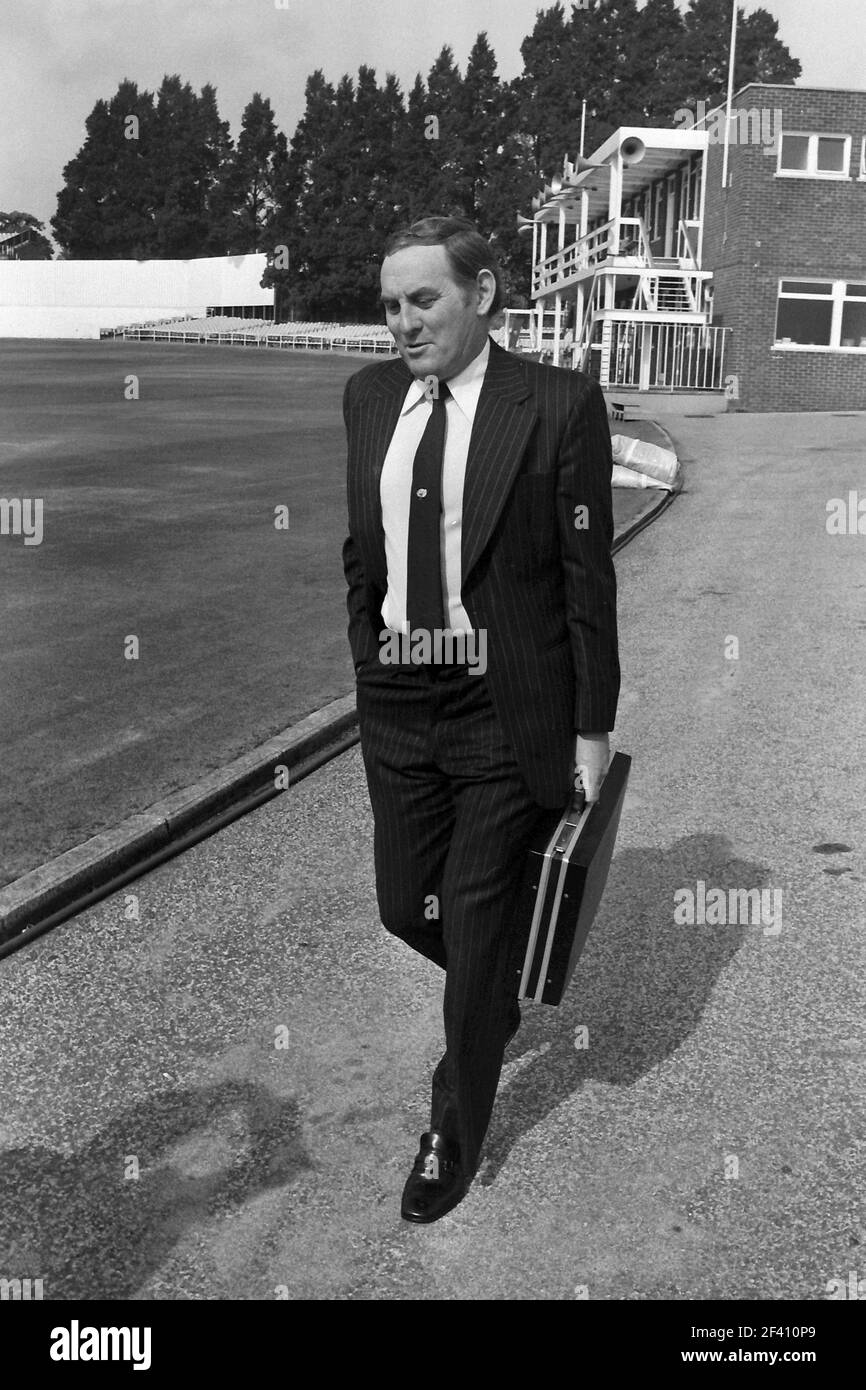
661,356
521,333
238,332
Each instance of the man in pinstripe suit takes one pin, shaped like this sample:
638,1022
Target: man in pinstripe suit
462,759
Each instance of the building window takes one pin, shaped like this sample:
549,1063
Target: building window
854,316
833,154
805,313
795,154
814,156
821,314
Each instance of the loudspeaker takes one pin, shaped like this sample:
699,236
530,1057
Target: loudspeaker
632,149
580,166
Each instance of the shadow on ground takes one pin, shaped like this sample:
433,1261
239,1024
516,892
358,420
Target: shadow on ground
640,987
92,1232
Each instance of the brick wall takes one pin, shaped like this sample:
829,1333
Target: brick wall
780,227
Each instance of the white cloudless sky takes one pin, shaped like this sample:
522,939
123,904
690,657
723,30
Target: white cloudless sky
58,57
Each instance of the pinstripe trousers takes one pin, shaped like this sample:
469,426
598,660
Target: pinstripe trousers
452,821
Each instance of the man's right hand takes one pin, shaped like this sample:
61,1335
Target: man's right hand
591,760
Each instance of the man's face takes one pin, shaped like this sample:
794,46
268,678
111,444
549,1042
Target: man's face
438,325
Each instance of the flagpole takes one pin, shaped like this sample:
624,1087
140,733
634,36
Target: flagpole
730,94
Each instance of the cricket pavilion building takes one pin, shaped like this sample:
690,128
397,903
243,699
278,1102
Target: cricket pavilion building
672,261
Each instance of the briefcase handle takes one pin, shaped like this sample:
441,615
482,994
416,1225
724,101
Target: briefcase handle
575,811
578,797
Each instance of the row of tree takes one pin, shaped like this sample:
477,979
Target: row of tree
159,175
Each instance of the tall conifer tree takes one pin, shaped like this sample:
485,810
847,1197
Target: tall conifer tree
104,209
254,171
760,56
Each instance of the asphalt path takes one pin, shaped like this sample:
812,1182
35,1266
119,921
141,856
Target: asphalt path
239,1024
158,524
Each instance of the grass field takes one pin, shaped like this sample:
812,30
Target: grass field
159,525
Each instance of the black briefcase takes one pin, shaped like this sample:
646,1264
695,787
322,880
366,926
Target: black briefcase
566,870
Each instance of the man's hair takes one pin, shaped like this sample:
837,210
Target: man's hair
465,248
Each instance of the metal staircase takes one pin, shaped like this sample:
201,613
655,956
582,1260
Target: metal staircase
677,292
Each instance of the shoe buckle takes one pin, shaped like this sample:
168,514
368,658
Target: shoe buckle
431,1167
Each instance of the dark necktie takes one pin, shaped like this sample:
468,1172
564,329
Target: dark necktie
424,606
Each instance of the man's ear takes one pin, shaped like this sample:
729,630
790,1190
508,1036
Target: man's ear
486,282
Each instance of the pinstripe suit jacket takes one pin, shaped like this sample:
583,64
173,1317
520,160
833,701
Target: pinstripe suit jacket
543,587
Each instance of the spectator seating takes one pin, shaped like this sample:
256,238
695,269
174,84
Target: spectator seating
228,329
221,328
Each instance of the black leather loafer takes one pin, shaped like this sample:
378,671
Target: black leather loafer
436,1183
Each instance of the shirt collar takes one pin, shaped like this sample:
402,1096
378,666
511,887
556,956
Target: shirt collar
465,387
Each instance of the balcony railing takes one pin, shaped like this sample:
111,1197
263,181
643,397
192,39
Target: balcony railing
572,261
559,269
658,356
621,242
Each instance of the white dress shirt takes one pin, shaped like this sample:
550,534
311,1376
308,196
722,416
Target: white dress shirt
396,486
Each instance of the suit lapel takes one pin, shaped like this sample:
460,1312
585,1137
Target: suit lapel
502,428
504,422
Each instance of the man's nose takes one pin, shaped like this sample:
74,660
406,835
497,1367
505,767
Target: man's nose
410,320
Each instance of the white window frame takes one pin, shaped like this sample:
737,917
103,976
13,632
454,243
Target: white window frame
862,175
838,299
812,171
